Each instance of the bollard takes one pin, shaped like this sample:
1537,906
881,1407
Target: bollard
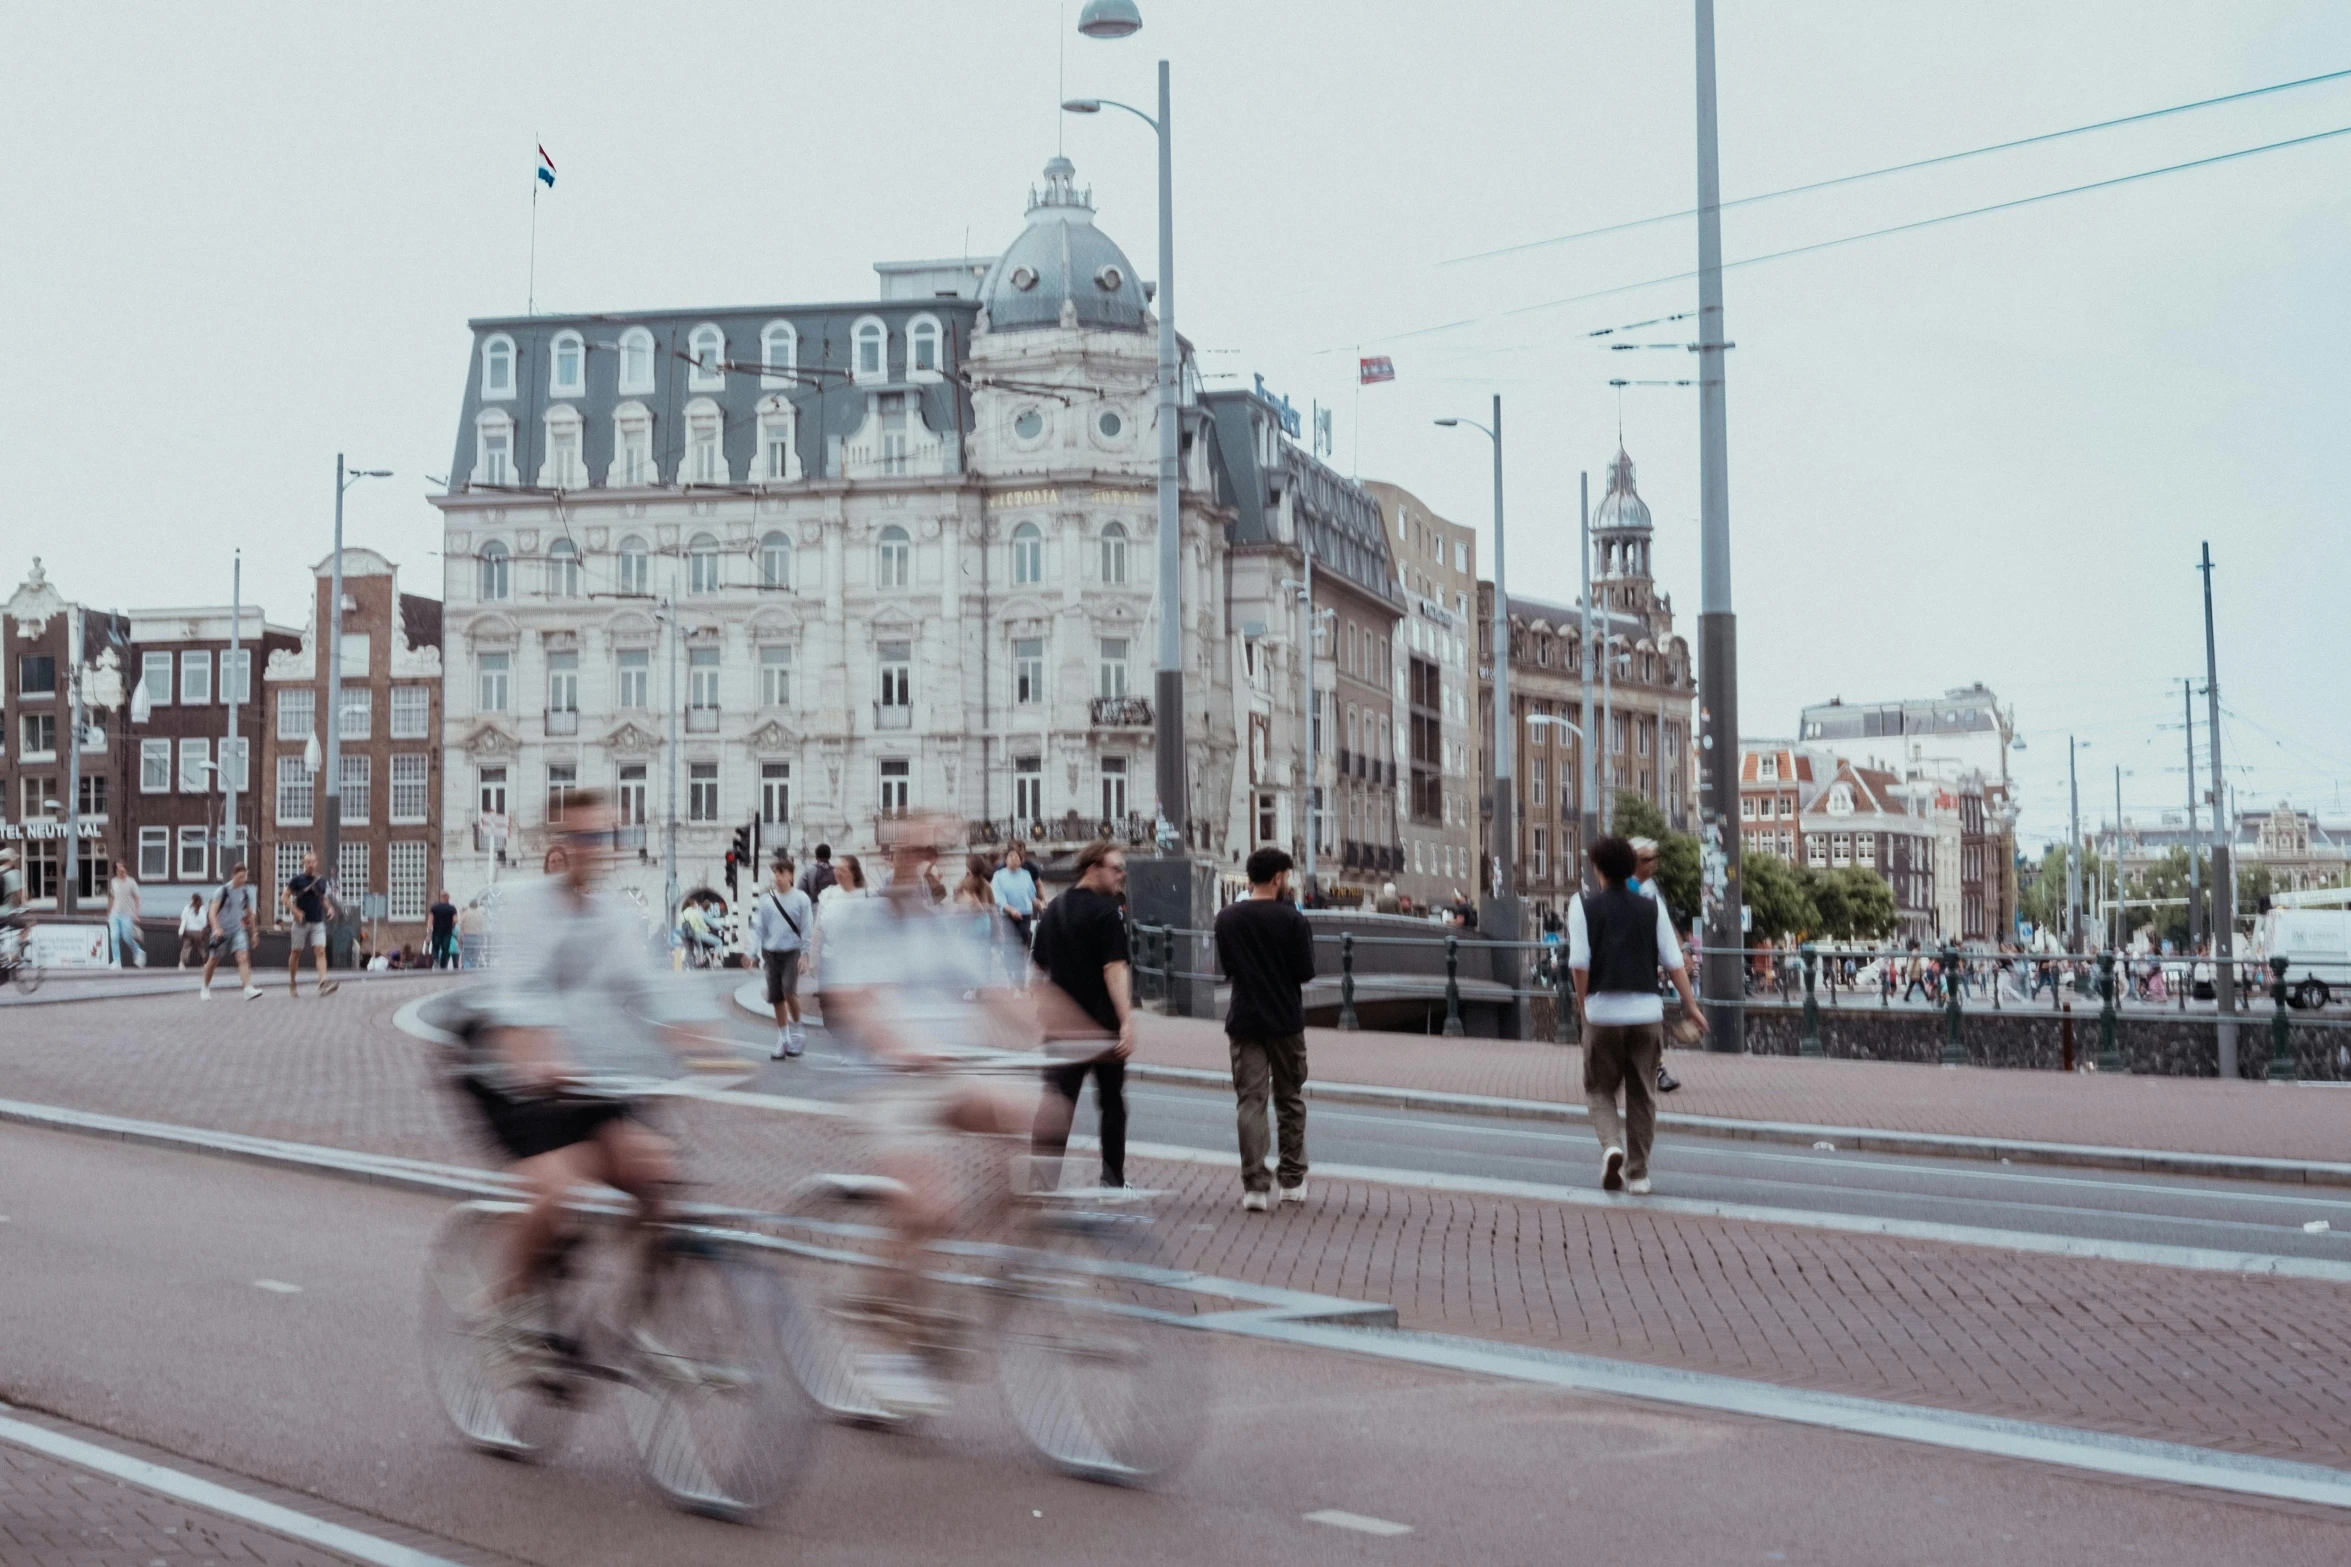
1347,1021
1453,1028
1562,995
2109,1056
2281,1049
1952,1054
1808,1042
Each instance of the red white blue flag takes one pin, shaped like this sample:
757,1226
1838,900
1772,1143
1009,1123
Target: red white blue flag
546,169
1374,367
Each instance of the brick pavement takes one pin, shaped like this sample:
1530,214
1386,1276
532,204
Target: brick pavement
54,1515
2188,1115
2237,1362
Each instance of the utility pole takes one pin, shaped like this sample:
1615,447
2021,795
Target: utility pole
1607,726
1590,824
1310,758
68,887
2224,886
2073,854
234,693
2195,895
2114,872
332,862
1718,636
669,853
1505,824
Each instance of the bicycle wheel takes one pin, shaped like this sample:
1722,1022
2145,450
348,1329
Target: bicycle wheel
507,1392
26,973
837,1229
1099,1371
717,1422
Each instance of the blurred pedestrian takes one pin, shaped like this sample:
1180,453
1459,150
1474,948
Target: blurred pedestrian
1618,945
1914,974
1015,887
1387,903
192,931
1644,882
308,907
973,894
1082,947
781,921
819,874
1266,949
230,933
122,917
441,932
473,928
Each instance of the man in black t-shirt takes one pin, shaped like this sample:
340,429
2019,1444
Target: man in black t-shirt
443,931
1266,949
1081,944
307,905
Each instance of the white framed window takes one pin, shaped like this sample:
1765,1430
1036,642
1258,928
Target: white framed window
404,866
193,860
1028,554
355,647
1028,671
924,361
287,861
493,448
1865,848
636,566
494,668
775,792
412,712
1840,848
779,354
870,348
563,569
236,676
490,791
194,779
1114,788
894,558
355,718
1767,767
352,883
567,366
295,791
636,670
775,676
702,564
358,784
1114,554
632,447
155,854
155,767
897,787
778,458
702,791
297,712
495,572
708,350
896,663
702,679
1028,788
563,467
636,361
775,560
563,689
236,758
706,456
410,776
497,367
155,675
630,795
1113,668
1535,855
195,679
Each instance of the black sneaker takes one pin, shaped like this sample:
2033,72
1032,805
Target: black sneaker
1666,1081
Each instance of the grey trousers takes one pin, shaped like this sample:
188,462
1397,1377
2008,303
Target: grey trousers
1277,1062
1624,1056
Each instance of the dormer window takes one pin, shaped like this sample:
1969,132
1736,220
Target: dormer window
563,468
708,346
779,354
777,459
567,366
497,367
632,446
871,342
1768,768
706,461
493,461
922,349
636,361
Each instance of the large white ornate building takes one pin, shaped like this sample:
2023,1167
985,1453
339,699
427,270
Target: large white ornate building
811,566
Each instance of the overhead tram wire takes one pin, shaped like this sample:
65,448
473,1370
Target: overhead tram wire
1881,233
1899,168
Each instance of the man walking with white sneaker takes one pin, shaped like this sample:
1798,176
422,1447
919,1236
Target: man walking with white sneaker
1266,949
1618,942
780,920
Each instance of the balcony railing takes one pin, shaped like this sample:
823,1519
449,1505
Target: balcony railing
702,720
563,721
1069,828
892,715
1122,712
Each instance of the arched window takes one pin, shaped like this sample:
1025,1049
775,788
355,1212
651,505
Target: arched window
893,558
1028,554
776,460
872,340
563,569
636,361
636,566
497,367
493,449
1114,553
562,467
702,564
567,366
708,346
632,446
495,568
923,362
775,560
779,354
706,458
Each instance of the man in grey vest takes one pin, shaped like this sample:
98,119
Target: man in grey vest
1618,943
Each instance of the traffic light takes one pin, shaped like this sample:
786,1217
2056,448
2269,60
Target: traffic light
738,856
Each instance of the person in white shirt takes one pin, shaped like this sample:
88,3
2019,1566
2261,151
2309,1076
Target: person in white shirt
122,913
1644,882
194,923
1617,944
782,919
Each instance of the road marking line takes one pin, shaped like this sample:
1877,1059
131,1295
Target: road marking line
1358,1522
216,1498
277,1286
2135,1457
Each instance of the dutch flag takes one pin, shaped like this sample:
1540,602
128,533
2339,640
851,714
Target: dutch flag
546,169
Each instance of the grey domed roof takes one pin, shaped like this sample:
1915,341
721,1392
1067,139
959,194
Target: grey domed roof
1062,256
1622,507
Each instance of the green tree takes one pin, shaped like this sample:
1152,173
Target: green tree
1779,901
1866,904
1677,854
2166,879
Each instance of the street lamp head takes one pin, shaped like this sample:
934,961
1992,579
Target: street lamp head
373,473
1081,106
1110,19
1448,423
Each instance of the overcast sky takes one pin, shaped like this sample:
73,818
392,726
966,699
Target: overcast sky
240,238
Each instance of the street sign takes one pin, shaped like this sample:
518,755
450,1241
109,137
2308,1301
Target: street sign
1746,919
374,905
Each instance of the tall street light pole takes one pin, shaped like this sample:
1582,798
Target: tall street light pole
2195,888
1718,642
2224,883
333,861
1589,824
1505,847
2073,852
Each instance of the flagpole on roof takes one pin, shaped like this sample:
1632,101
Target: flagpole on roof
531,305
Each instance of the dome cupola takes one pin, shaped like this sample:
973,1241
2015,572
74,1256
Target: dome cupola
1062,270
1620,525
